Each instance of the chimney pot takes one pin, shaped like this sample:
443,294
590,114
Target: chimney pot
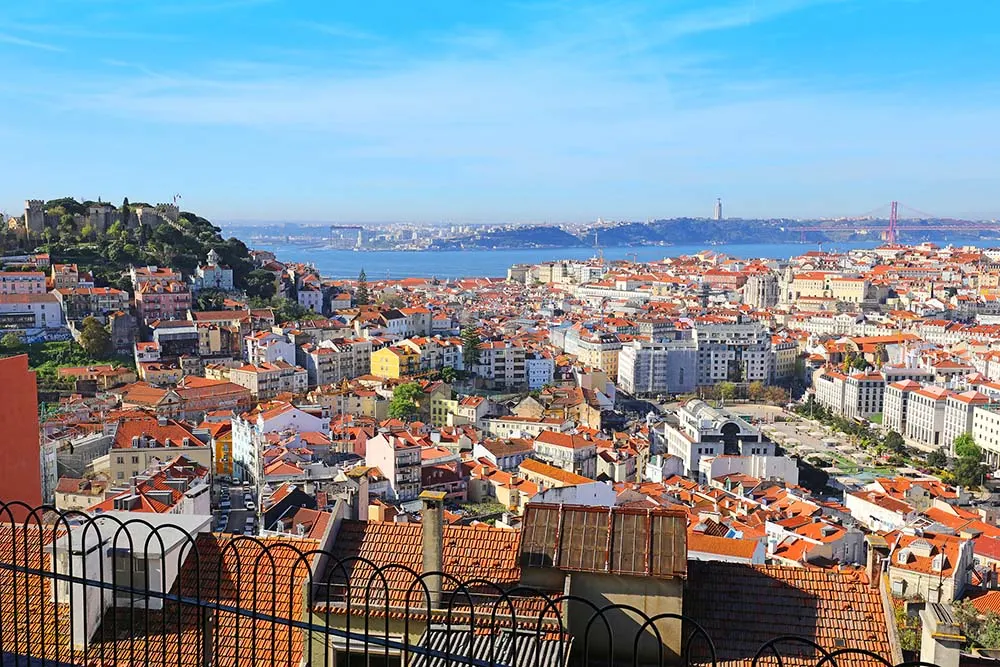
432,538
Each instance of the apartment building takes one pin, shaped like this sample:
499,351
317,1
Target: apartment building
895,404
925,415
330,361
65,276
594,347
733,353
141,443
540,369
502,363
863,394
786,354
22,282
958,415
573,453
986,432
162,301
829,386
29,311
79,302
395,361
142,275
267,380
268,347
647,368
398,457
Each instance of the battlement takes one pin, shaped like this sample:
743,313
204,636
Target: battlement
169,211
34,204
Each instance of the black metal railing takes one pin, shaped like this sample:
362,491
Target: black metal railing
133,590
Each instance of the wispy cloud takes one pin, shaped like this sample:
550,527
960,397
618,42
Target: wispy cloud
29,43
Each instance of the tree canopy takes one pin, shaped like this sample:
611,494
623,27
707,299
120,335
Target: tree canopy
95,338
470,348
405,401
361,295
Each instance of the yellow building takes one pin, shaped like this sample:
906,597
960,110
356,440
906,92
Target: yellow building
850,290
810,284
222,444
395,362
443,408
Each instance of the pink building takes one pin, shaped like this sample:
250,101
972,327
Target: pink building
157,301
22,282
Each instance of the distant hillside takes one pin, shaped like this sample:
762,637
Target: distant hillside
521,237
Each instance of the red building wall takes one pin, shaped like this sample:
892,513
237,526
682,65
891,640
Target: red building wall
20,468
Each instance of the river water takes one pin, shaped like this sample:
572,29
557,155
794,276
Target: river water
396,264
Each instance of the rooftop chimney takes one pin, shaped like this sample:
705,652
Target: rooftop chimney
432,526
941,638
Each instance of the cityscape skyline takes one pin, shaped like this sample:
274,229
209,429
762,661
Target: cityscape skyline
507,113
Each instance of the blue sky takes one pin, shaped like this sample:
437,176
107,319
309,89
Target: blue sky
503,111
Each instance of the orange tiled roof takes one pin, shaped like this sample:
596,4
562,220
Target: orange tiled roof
743,606
241,572
469,553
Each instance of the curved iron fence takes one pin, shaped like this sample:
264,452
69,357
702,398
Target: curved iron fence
77,589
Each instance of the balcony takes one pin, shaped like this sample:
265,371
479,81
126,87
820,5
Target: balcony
277,600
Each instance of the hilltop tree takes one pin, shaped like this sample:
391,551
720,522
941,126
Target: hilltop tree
260,284
95,339
470,348
361,295
405,401
126,210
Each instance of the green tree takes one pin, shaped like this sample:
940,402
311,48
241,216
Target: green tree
11,341
405,401
776,396
755,391
470,348
937,459
361,295
66,227
449,374
969,471
95,339
964,446
117,230
893,441
727,391
260,284
211,299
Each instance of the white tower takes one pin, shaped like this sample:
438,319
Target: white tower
718,209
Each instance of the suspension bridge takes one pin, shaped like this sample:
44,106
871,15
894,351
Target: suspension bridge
887,223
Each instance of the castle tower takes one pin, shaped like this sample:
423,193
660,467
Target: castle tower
34,216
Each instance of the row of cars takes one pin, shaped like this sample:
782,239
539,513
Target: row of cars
237,512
